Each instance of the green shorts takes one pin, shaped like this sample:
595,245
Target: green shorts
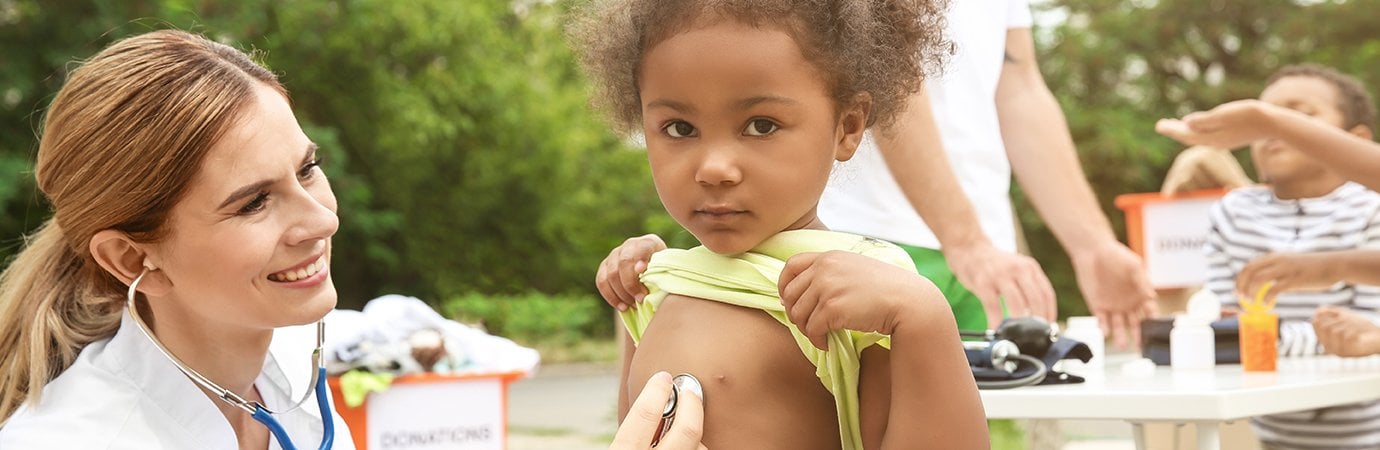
967,308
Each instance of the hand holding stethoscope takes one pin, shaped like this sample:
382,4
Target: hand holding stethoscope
650,417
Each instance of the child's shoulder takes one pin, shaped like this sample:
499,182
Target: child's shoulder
788,243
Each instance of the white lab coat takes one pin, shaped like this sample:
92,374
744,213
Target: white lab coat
121,393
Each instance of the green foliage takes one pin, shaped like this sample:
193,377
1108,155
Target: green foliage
1005,435
1117,66
534,317
456,134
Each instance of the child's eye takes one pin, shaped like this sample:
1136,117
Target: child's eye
255,205
760,127
679,129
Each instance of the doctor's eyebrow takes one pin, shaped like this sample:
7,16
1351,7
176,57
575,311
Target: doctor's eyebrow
256,187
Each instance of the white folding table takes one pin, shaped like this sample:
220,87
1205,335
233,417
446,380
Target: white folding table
1204,398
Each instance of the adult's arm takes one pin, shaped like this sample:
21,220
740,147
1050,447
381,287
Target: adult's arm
1112,278
916,157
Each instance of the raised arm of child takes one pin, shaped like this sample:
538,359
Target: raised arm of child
931,400
1351,153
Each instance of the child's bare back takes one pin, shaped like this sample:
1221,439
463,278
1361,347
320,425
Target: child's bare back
763,392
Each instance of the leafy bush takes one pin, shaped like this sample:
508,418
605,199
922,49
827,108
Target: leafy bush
533,317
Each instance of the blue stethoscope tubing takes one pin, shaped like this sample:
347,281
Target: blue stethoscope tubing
327,435
255,409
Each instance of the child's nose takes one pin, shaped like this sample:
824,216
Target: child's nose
719,167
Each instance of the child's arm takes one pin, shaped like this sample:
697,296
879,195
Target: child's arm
624,400
933,401
1349,152
617,278
1309,271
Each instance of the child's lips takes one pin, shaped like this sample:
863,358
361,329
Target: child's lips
720,213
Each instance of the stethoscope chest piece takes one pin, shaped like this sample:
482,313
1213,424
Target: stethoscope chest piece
682,382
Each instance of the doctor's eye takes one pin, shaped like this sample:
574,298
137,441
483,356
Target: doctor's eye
255,205
308,169
679,129
760,127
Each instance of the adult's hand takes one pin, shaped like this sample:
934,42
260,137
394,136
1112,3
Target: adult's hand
619,274
1203,167
994,275
1117,290
1228,126
644,418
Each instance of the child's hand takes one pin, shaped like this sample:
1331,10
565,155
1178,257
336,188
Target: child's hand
617,279
1343,332
837,290
1289,272
1203,167
1227,126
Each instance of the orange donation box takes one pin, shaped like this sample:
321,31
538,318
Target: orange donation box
1170,233
432,412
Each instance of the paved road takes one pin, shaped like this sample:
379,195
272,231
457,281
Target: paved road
565,407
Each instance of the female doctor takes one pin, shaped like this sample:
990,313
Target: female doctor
180,184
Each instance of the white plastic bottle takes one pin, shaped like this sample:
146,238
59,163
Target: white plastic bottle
1086,330
1192,345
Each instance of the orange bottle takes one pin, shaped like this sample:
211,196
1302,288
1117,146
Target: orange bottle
1259,332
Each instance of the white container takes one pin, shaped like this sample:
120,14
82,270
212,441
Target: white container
1086,330
1191,344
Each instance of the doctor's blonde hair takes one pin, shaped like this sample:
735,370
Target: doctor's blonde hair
120,145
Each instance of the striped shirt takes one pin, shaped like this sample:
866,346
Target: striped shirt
1251,222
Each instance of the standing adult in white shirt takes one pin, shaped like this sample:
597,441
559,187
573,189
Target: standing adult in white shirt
989,115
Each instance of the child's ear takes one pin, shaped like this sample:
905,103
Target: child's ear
852,124
1362,131
125,259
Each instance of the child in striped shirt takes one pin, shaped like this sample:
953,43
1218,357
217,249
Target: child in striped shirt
1304,218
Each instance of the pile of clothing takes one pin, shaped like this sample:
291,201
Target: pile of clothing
401,335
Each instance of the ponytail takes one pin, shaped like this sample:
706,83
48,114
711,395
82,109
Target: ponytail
47,314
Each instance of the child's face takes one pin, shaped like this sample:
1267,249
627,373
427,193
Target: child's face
741,133
1277,162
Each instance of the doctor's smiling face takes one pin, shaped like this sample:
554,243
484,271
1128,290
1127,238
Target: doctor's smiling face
249,245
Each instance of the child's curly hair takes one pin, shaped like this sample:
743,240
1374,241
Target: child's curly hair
881,47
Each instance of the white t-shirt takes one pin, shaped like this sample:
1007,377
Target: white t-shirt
121,393
863,198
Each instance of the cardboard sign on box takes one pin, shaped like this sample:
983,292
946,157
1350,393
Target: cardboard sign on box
1170,233
432,412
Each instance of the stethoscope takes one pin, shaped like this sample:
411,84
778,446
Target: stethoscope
255,409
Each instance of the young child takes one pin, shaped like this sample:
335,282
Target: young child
746,106
1304,218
